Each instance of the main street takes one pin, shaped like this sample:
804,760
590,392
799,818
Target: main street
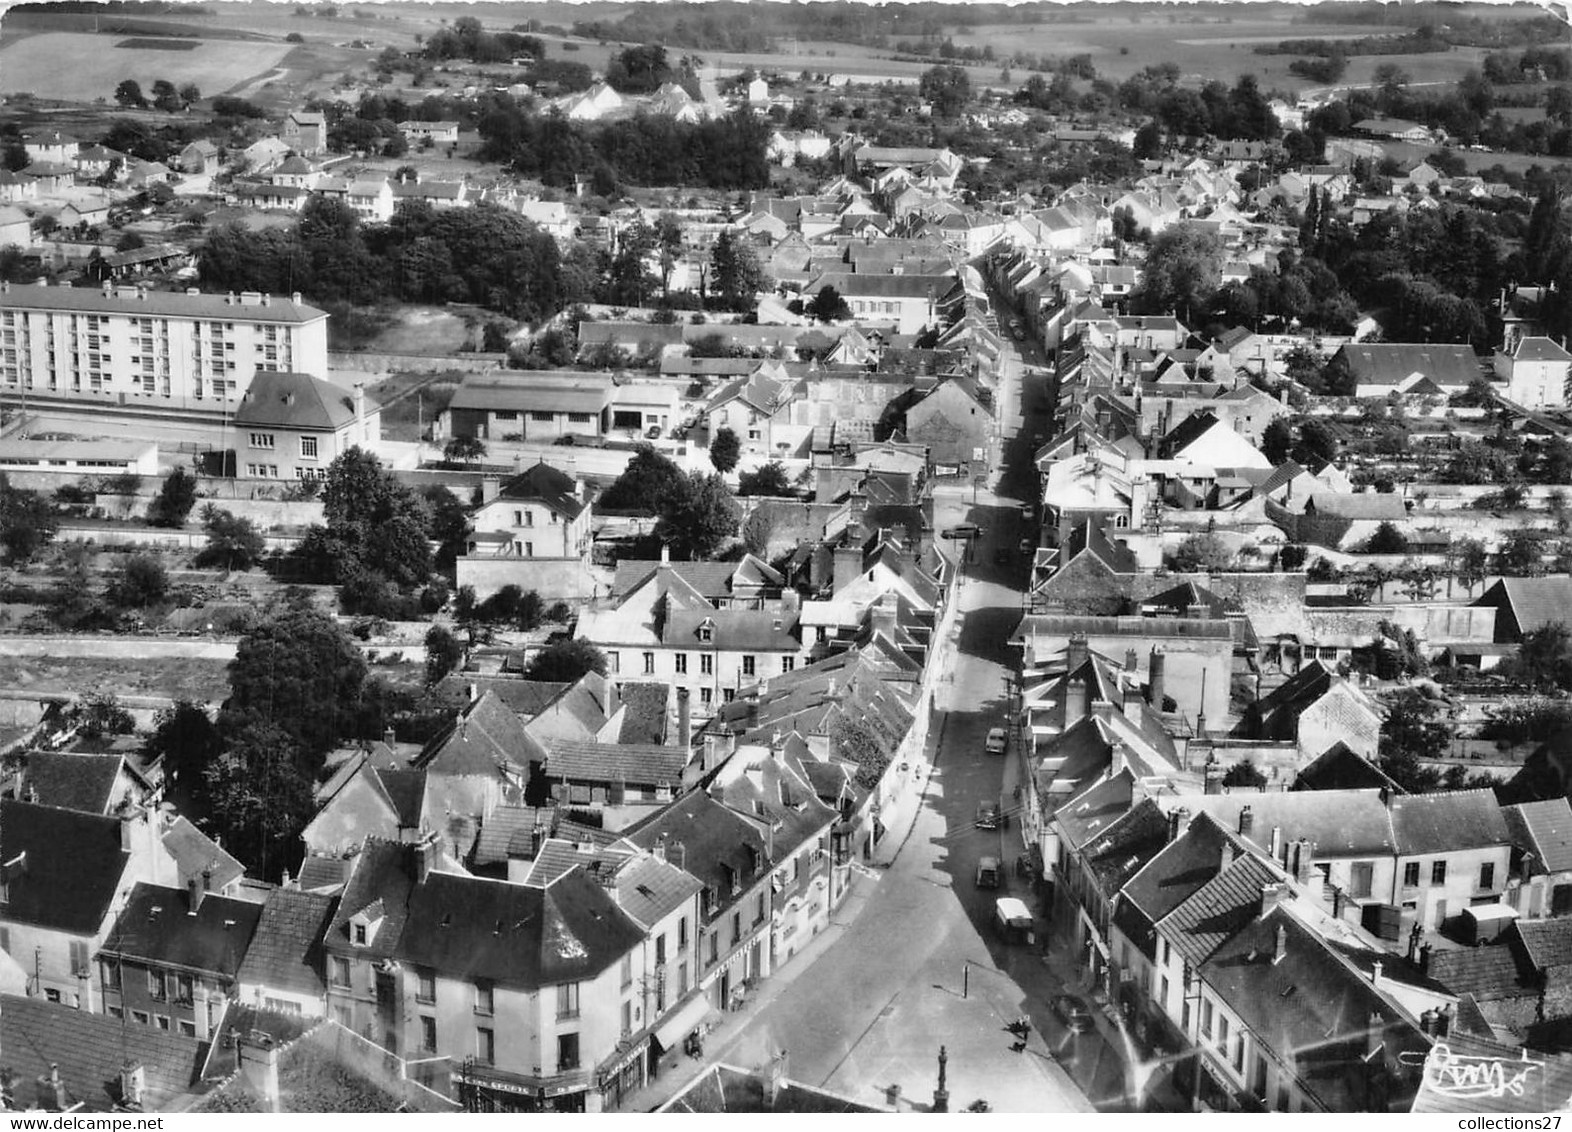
919,965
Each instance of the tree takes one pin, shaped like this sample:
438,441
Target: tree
1413,733
464,450
768,479
829,306
1277,440
140,582
696,522
187,741
100,714
565,661
735,273
948,88
174,501
647,480
1204,552
1471,560
129,93
1387,539
1182,272
166,97
189,93
757,530
375,525
232,543
444,653
725,450
1148,141
299,670
258,795
1245,774
1544,658
27,522
1522,553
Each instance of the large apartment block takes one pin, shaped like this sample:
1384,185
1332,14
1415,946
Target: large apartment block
132,346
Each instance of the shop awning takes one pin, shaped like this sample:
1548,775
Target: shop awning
687,1016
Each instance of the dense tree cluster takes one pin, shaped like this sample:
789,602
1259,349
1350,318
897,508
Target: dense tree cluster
723,153
643,69
467,39
1240,111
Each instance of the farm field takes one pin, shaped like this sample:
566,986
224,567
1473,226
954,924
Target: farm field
82,67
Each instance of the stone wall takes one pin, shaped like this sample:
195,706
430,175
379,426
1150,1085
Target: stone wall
555,579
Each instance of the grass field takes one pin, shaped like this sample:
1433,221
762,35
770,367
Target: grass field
82,67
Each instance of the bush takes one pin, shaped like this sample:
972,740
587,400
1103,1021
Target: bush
174,501
141,582
372,595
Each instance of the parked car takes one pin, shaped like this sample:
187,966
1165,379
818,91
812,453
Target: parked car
990,815
962,531
1073,1012
998,740
988,872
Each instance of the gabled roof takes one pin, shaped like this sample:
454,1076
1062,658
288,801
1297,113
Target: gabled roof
276,399
1218,909
1538,1082
1545,943
1363,505
1115,855
486,736
545,485
707,839
1545,830
159,926
1340,767
195,853
382,874
508,834
285,952
1099,806
1487,973
71,781
1534,602
517,935
1179,870
90,1050
635,764
1390,363
1539,349
64,867
1449,821
649,889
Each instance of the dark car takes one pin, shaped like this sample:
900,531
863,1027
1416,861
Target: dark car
961,531
1073,1012
990,815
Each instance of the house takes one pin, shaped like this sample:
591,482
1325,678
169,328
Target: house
1340,767
266,195
1381,369
65,876
364,799
1541,857
87,783
198,158
540,512
435,133
955,422
294,425
1396,129
16,229
758,409
17,187
437,194
1537,373
263,155
1088,573
305,132
908,302
590,105
619,781
172,958
551,217
371,198
1204,440
51,145
296,172
284,968
1316,708
1525,605
539,406
61,1059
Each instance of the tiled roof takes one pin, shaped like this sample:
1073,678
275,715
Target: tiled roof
1537,1082
1538,349
285,952
323,874
159,925
525,697
508,833
649,889
90,1050
1392,363
1546,943
1099,806
196,853
1364,505
1447,822
1487,973
1218,909
382,874
547,392
70,868
1340,767
1545,830
276,399
71,781
1534,602
1132,840
708,840
486,736
732,630
547,485
644,720
1340,823
638,764
517,935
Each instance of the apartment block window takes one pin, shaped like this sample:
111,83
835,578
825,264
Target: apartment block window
747,665
706,697
682,933
529,518
649,664
660,949
681,661
1411,875
758,914
155,986
788,663
426,987
262,440
360,935
308,448
428,1033
79,961
1222,1033
485,998
682,979
485,1045
567,1000
567,1052
111,975
1487,875
714,947
627,1018
736,928
1437,872
1206,1018
1361,878
184,990
706,664
340,977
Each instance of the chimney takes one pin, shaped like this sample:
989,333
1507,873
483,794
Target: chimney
425,851
1424,959
207,880
1280,945
57,1086
1246,821
294,297
1077,652
360,410
194,895
258,1059
1375,972
1444,1020
1386,796
883,617
388,736
775,1078
711,753
1271,896
1156,674
199,1008
1177,820
1132,660
848,567
1212,777
473,691
133,1079
684,718
1277,843
490,488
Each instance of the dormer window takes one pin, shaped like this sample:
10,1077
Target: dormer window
363,924
707,631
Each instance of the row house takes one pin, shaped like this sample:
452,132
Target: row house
544,406
539,513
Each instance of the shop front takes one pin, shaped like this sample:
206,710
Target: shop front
487,1089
